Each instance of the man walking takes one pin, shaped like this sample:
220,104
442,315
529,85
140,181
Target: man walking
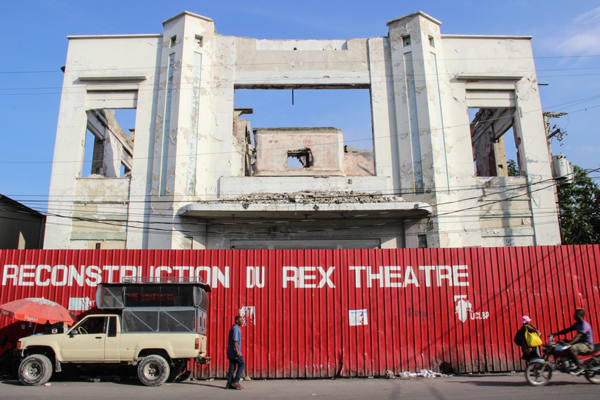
234,354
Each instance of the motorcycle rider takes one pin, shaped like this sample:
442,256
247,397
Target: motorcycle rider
582,343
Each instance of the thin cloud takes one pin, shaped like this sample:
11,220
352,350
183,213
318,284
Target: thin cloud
582,37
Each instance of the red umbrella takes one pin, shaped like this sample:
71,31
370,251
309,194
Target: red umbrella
37,310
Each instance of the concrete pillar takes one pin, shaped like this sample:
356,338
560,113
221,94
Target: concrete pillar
426,156
184,143
385,140
530,134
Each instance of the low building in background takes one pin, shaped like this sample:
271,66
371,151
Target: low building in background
189,175
20,226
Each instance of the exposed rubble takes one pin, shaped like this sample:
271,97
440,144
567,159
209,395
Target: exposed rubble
313,197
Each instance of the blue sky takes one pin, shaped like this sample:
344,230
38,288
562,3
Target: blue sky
566,44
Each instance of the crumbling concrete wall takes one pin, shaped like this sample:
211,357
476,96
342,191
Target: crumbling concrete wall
191,146
320,151
242,142
313,197
100,213
358,162
489,156
506,216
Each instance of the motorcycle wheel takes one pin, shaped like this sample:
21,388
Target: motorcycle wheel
593,377
538,374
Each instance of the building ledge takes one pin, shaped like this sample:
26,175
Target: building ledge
469,77
421,13
191,14
111,78
507,37
304,211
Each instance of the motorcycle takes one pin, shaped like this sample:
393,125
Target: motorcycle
539,371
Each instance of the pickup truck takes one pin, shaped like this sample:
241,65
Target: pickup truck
160,327
98,339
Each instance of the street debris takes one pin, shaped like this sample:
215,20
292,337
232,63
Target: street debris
421,374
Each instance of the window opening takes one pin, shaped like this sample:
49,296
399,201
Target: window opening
493,138
302,158
110,136
406,40
173,41
89,326
157,319
112,327
321,119
431,41
199,40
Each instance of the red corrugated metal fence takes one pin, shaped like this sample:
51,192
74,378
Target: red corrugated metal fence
322,313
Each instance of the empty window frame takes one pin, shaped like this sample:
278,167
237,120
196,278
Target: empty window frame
492,115
491,155
345,109
109,142
303,157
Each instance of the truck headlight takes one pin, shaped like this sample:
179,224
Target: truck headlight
19,345
197,344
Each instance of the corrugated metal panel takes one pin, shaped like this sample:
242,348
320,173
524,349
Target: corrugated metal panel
425,308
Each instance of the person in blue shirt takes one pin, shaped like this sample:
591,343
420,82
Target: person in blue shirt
234,355
582,343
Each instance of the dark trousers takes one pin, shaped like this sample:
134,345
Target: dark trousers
241,365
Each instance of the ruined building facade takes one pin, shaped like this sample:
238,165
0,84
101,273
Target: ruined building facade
194,173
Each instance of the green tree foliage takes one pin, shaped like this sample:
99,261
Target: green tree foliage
512,168
579,213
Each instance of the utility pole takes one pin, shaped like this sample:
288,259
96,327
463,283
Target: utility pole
559,134
556,131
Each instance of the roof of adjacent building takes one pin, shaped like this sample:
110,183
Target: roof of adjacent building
8,200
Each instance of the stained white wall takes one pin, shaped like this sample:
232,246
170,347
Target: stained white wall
184,149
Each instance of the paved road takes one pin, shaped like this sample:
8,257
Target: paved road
459,387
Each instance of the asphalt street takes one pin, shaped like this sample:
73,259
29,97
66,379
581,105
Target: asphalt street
458,387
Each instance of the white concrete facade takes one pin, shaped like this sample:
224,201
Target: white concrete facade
191,185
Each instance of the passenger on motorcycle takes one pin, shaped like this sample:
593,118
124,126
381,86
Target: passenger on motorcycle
528,353
582,343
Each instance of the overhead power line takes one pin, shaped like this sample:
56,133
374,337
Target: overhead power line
373,138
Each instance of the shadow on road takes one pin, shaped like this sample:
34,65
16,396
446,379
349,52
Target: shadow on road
197,383
511,383
12,382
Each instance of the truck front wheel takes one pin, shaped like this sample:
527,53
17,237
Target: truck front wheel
35,370
153,370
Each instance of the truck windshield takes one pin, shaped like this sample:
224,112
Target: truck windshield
91,325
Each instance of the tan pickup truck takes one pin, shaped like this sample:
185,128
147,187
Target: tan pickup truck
158,332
